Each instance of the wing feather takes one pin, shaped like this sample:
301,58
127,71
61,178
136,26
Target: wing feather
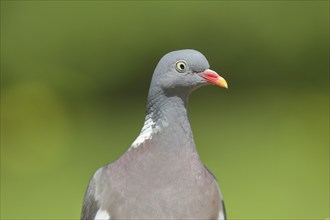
90,206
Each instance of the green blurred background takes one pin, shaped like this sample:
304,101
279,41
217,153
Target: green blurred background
74,81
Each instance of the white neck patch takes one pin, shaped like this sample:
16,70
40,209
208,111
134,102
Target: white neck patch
102,215
148,130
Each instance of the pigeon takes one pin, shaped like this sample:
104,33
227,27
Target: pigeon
161,175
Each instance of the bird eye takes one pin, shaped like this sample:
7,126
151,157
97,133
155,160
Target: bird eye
181,66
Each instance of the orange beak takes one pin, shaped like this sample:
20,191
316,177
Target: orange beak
213,78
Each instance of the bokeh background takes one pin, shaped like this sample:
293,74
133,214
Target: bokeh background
74,81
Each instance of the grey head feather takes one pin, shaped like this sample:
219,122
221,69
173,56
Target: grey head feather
167,78
167,81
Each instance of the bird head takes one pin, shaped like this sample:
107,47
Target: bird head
184,71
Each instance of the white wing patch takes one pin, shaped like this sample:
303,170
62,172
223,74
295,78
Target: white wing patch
102,215
221,215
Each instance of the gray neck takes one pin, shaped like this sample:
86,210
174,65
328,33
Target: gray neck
166,105
169,113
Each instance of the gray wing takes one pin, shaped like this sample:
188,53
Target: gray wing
91,205
222,213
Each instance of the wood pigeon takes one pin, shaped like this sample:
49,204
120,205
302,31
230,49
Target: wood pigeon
161,175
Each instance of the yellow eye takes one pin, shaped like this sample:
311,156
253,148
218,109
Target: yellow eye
181,66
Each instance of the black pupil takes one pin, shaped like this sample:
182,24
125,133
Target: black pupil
182,66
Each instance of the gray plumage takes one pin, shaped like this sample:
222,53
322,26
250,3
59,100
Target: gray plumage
161,175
